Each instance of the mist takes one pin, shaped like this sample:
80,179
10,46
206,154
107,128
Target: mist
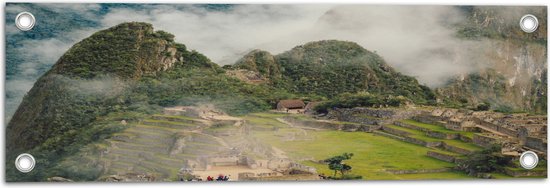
416,40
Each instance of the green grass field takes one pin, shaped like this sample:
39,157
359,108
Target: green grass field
372,154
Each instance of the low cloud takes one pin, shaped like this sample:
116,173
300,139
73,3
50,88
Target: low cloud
416,40
224,36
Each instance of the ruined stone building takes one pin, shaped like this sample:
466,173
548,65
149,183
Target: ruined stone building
285,105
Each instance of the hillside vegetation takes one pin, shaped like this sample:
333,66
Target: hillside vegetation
130,71
325,69
127,69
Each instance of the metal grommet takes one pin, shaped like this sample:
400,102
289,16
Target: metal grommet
528,160
25,162
529,23
25,21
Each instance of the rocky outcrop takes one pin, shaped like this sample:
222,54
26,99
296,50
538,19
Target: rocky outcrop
247,76
512,73
261,62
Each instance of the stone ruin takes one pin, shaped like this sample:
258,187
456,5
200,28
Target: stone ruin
130,177
515,133
277,167
249,153
371,116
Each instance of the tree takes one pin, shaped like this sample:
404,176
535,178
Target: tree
335,163
487,160
483,107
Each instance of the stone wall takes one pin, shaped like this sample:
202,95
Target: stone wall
370,116
524,173
312,123
176,119
222,161
441,135
395,131
485,140
465,138
388,135
301,167
536,143
496,128
453,126
352,127
406,125
455,149
422,142
415,141
442,156
279,163
430,119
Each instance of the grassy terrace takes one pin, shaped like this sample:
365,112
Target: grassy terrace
429,126
437,128
464,145
221,128
269,115
153,141
373,154
260,119
445,152
156,128
168,122
174,117
414,133
422,136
